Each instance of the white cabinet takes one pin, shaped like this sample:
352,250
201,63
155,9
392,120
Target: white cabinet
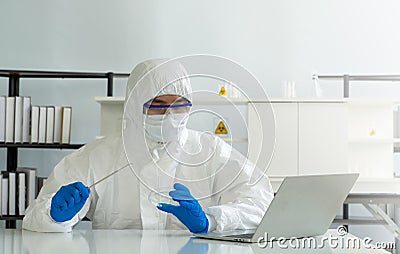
371,138
285,156
311,137
322,138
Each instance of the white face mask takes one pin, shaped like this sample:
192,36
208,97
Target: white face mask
165,128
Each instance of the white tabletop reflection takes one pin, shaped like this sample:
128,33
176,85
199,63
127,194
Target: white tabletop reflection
14,241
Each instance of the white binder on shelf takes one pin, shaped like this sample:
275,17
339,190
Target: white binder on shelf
26,119
18,113
2,118
10,107
31,183
11,193
50,125
4,195
35,124
42,124
57,124
66,125
21,193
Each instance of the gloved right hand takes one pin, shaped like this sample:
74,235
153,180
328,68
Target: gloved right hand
68,201
189,211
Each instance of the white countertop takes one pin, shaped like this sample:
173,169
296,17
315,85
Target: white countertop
143,241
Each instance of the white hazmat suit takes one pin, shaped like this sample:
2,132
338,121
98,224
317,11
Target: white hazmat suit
233,193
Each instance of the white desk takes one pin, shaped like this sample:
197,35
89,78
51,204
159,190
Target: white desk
139,241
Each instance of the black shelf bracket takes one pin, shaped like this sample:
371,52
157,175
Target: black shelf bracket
110,83
13,85
12,153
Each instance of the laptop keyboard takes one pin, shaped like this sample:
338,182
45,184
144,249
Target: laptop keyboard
248,236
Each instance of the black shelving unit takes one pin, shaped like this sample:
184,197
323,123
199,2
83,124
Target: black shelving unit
14,78
44,146
11,217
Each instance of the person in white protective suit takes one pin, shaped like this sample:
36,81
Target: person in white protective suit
215,186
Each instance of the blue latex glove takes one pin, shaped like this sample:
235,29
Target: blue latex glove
68,201
189,211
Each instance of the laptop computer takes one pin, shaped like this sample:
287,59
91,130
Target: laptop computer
303,206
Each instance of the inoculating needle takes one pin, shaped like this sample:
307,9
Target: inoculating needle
104,178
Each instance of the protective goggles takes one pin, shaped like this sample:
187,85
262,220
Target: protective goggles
162,109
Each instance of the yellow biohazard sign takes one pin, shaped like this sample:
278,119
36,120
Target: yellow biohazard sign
372,132
221,129
223,91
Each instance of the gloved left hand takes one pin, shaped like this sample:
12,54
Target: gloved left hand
189,211
68,201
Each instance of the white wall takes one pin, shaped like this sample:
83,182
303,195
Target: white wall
275,40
